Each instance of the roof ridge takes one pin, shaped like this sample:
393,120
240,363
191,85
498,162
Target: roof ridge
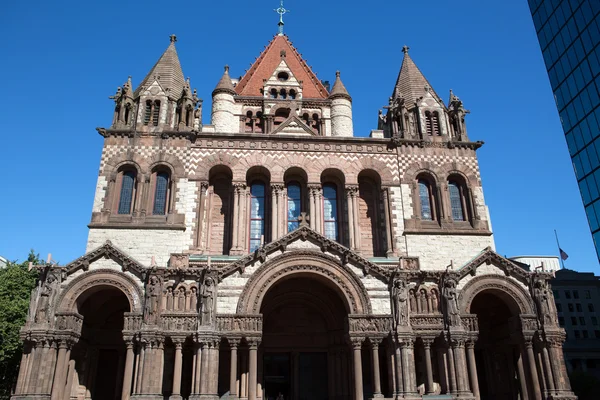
411,82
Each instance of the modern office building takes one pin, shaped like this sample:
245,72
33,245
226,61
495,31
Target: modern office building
569,34
577,296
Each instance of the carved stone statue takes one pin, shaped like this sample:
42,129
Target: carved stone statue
47,292
450,296
152,300
544,301
207,298
400,303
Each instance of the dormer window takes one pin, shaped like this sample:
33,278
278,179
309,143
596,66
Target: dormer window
273,93
283,76
292,94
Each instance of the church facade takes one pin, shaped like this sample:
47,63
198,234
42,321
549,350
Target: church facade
274,255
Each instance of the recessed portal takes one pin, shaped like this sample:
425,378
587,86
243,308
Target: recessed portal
303,340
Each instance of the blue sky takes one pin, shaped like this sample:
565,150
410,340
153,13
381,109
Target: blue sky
61,62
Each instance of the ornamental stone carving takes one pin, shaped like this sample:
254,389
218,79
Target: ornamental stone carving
400,303
179,261
544,301
450,295
208,292
152,300
45,295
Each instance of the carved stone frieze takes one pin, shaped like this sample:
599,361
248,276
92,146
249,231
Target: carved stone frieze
380,325
240,324
179,322
132,322
179,261
68,321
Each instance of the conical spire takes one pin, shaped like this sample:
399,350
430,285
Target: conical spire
225,84
167,71
339,90
411,83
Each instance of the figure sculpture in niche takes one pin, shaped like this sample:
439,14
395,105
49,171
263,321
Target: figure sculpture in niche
152,299
399,303
208,295
543,301
451,302
47,291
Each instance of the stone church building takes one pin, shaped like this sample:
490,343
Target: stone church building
274,255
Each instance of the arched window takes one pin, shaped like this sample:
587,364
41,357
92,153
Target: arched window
425,200
155,112
249,125
257,214
283,93
126,195
273,93
330,211
294,205
189,112
292,94
316,125
161,193
148,112
457,200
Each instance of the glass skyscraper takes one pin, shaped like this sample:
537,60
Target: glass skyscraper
569,36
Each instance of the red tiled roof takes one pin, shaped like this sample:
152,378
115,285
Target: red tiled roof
264,66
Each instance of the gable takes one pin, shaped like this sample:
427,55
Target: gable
293,126
269,60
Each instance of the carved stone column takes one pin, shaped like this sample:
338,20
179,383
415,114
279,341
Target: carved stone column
176,394
141,360
428,369
23,367
398,372
237,203
470,345
533,372
58,385
252,368
197,367
521,375
458,349
357,361
548,369
376,374
389,235
312,210
274,210
214,369
128,373
408,367
451,369
557,360
233,344
357,240
443,369
200,221
391,373
350,203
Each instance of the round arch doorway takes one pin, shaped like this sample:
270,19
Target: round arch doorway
304,355
497,350
97,360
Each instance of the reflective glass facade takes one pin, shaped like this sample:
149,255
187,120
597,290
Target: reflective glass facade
569,36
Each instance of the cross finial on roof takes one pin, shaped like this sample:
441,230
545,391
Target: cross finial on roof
173,38
405,49
281,11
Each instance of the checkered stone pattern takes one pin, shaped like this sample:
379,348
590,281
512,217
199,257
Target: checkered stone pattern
111,151
406,160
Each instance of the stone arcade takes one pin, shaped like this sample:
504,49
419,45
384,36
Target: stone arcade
274,255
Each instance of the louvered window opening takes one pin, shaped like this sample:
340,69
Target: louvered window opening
257,215
126,196
428,123
294,205
435,123
456,202
425,201
155,113
148,112
330,212
160,193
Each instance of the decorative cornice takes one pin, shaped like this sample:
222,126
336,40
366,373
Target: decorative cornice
107,250
304,233
396,141
488,256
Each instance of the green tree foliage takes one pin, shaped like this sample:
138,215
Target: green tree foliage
16,283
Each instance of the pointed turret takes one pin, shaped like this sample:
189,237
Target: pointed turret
225,85
341,109
167,71
411,83
223,106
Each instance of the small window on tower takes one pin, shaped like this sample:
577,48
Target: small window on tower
292,94
273,93
155,112
283,76
148,112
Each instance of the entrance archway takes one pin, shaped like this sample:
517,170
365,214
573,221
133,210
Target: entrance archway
97,360
497,350
303,350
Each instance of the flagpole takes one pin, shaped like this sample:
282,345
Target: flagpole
559,254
